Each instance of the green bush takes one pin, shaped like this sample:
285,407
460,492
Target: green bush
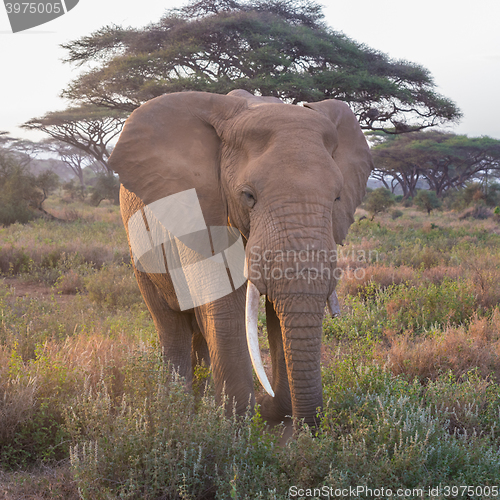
395,214
154,442
16,191
74,190
21,191
38,435
473,193
492,195
421,307
427,200
378,200
106,187
113,287
157,443
403,307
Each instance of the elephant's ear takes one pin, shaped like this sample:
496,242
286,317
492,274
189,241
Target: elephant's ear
353,158
171,144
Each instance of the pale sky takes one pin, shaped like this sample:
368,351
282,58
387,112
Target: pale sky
459,42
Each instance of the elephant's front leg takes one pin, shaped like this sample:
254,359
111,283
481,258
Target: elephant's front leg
222,323
175,329
274,410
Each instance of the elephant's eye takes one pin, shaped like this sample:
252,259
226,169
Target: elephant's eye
338,198
248,198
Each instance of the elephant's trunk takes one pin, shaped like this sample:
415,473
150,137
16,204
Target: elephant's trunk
301,319
292,260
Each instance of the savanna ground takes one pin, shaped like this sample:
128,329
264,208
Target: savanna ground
411,371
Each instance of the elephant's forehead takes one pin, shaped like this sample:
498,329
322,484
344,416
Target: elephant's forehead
278,116
285,124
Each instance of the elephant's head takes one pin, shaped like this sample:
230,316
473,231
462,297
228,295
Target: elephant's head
288,177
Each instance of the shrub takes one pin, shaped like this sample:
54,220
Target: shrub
113,287
49,353
70,283
417,307
106,187
421,306
478,212
427,200
154,443
395,214
382,276
74,190
16,191
21,191
378,200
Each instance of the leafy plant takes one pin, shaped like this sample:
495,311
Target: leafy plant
427,200
377,201
106,187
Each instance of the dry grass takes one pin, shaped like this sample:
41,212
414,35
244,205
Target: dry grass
42,483
17,400
356,283
70,283
456,349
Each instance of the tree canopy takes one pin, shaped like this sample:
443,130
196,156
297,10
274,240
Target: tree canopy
280,48
444,160
75,159
88,128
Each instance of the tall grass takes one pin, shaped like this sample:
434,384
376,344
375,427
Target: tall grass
410,372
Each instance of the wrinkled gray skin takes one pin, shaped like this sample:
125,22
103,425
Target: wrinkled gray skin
289,178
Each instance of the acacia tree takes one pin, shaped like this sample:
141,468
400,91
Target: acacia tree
280,48
445,161
76,159
89,128
22,150
454,160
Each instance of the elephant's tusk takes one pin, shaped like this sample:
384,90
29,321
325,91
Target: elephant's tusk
251,312
333,305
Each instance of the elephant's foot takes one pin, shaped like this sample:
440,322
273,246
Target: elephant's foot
281,426
272,412
287,432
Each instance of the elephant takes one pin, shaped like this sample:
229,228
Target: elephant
226,198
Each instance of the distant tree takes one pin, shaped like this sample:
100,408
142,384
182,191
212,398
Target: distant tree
4,139
44,184
88,128
15,191
279,48
474,193
444,160
395,164
377,201
75,159
107,187
22,193
427,200
74,190
24,151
